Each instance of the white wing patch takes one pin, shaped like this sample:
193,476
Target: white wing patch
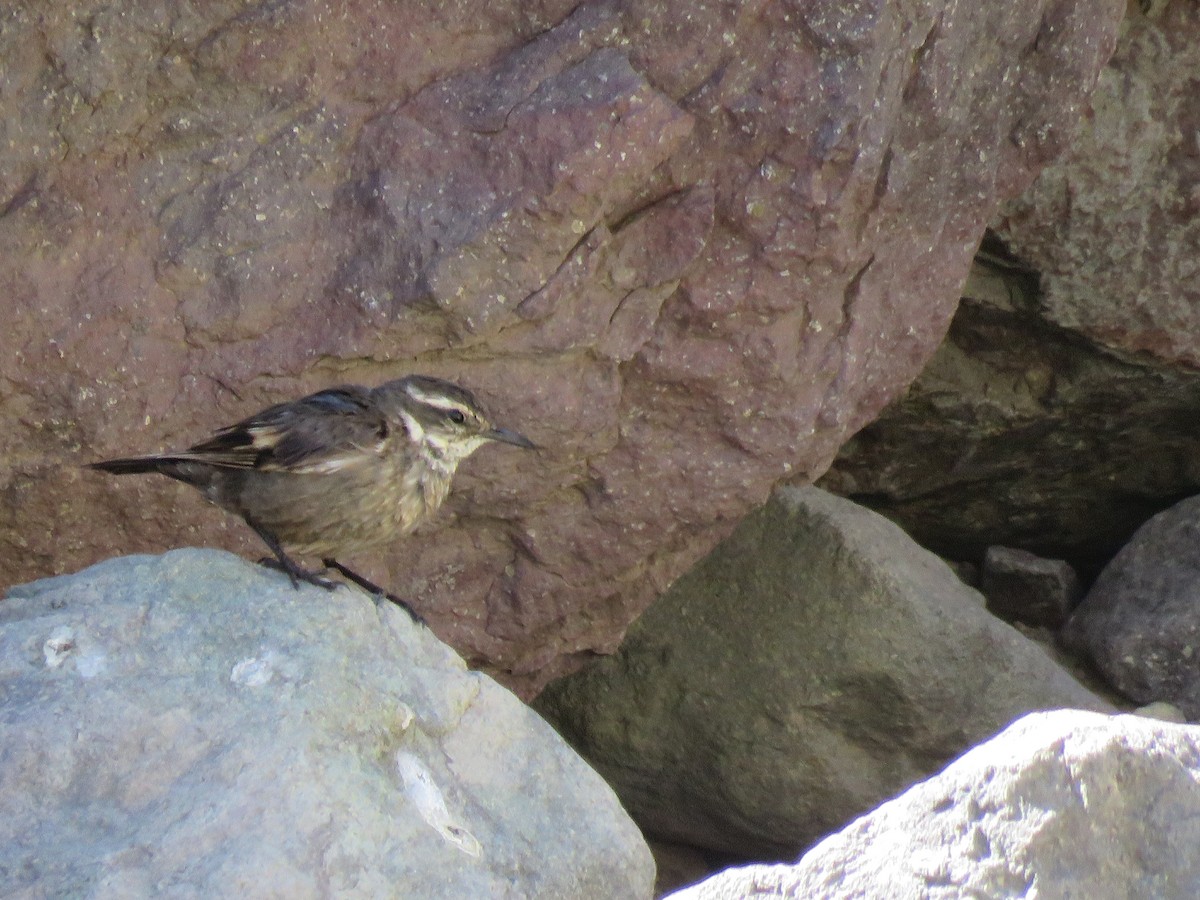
332,463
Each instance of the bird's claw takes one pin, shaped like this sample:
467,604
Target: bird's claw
296,574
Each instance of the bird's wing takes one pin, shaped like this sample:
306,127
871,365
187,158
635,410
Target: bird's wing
322,432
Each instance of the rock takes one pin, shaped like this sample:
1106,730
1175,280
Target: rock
758,706
1062,804
967,571
1059,414
1159,710
191,724
688,248
1112,227
1140,622
677,866
986,446
1021,586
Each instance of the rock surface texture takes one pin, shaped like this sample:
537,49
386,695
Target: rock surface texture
755,708
189,725
688,248
1062,804
1140,622
1061,412
1113,228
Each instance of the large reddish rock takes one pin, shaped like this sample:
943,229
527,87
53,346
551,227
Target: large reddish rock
688,249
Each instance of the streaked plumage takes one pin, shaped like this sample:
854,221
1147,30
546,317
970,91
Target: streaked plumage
337,472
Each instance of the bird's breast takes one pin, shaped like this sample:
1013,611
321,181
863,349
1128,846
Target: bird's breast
409,492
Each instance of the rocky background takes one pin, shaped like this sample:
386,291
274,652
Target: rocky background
689,249
1060,413
818,664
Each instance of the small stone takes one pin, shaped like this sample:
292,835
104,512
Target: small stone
1023,587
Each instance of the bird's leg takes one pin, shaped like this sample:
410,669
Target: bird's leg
372,588
286,564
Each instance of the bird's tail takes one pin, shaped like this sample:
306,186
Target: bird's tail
132,465
178,466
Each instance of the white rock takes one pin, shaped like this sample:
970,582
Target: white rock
242,739
1061,804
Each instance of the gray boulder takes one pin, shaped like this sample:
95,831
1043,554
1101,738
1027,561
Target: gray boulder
817,663
189,725
1062,804
1140,622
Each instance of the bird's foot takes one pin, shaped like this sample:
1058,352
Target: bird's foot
284,563
296,574
375,590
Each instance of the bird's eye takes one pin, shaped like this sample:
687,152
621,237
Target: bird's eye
457,416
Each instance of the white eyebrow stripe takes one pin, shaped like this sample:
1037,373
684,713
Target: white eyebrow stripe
438,401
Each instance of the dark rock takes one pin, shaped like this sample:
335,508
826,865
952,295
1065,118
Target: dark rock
1062,804
1140,622
687,248
191,725
1060,413
757,706
678,866
1022,587
967,571
1018,433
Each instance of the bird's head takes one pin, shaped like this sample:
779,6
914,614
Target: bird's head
443,418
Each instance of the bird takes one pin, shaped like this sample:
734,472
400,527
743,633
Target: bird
334,473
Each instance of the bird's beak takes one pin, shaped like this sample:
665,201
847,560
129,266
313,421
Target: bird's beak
510,437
